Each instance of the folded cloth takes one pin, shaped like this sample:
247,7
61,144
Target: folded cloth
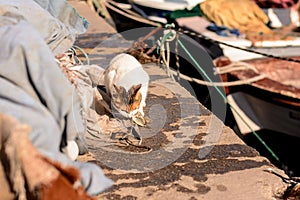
244,15
36,92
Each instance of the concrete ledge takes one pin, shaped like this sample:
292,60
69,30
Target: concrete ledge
194,156
210,161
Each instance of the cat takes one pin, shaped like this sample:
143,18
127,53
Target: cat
126,82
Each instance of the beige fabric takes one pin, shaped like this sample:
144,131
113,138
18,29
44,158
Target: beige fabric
244,15
5,192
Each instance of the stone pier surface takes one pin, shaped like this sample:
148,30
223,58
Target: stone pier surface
191,154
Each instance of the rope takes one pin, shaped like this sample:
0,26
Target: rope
294,184
131,16
220,84
177,56
129,142
73,48
169,35
234,66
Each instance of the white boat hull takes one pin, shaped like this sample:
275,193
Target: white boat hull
167,5
254,114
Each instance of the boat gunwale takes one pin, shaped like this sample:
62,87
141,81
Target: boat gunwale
260,90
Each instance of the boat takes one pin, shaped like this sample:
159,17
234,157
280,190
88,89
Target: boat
142,13
121,15
268,110
157,10
270,104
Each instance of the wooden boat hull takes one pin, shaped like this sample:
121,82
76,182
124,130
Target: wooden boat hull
272,103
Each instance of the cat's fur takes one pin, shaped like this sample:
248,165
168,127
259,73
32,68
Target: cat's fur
126,82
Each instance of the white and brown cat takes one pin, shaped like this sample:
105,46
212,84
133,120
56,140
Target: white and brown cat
126,82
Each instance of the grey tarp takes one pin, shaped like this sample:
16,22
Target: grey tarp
33,88
57,22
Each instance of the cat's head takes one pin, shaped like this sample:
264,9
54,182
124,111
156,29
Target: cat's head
127,101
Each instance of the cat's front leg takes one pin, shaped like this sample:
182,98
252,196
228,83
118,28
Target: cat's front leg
141,110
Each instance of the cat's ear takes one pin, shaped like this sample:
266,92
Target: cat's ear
134,93
135,89
117,89
120,92
135,97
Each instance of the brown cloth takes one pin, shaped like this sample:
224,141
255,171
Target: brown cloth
26,174
244,15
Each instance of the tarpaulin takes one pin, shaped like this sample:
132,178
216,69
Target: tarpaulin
33,88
